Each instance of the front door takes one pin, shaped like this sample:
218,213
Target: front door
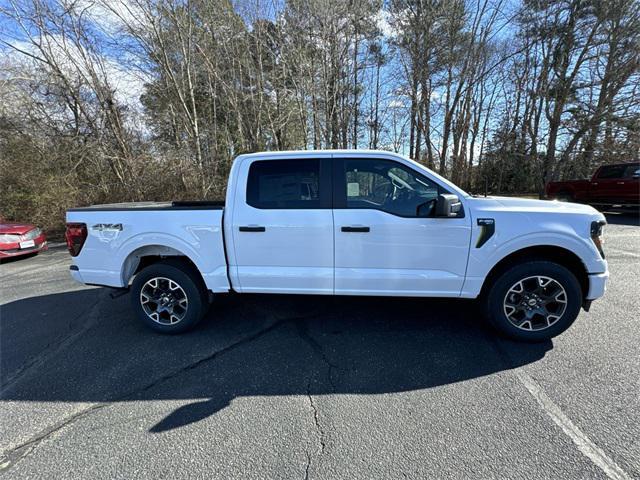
387,239
283,227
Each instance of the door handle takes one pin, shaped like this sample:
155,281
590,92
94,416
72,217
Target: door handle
252,228
355,229
620,183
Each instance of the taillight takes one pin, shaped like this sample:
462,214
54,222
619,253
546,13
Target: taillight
75,235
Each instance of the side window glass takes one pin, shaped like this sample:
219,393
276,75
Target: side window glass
365,187
613,171
632,171
389,186
284,184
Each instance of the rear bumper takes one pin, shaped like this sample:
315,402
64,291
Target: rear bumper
597,285
75,274
98,278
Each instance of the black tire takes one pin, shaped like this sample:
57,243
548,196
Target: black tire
181,317
533,329
565,197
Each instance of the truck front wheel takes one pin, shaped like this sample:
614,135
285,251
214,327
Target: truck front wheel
565,197
169,297
534,301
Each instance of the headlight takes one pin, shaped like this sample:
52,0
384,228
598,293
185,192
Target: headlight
32,234
9,238
597,235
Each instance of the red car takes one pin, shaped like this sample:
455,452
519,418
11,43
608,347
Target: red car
610,185
20,239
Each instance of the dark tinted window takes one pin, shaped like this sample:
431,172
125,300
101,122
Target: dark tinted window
632,171
389,186
284,184
612,171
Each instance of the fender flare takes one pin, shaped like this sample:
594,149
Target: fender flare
159,244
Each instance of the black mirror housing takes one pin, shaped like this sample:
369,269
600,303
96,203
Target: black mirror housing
448,205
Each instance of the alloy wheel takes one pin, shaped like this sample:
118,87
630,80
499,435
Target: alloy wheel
164,301
535,303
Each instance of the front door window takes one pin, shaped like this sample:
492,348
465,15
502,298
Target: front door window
390,187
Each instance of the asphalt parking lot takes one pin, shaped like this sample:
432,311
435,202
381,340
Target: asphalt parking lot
314,387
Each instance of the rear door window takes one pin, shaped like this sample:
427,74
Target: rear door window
632,171
611,171
285,184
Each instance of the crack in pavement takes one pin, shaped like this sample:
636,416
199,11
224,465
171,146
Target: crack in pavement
319,430
316,421
304,334
308,465
11,457
210,357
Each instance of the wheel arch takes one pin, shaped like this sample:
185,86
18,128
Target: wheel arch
552,253
147,255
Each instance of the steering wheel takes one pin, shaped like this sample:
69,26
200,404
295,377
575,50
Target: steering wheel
382,190
396,184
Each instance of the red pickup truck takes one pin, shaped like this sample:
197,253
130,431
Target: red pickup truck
617,184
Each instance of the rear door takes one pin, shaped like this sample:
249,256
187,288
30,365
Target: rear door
282,226
387,240
631,185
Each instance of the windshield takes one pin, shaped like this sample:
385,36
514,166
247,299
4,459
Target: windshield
451,186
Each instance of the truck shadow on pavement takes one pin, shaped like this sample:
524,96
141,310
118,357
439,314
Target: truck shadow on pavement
89,348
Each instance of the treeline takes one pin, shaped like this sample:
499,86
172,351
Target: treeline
116,100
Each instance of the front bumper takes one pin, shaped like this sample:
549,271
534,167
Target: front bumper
597,285
14,250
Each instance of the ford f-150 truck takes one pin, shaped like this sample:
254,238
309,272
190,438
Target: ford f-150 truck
346,223
610,185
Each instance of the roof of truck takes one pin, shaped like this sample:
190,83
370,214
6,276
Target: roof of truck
356,151
351,153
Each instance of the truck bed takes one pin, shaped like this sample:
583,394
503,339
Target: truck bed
119,234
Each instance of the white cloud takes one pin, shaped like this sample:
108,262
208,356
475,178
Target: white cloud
76,65
383,22
396,104
111,15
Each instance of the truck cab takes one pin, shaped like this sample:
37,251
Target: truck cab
369,228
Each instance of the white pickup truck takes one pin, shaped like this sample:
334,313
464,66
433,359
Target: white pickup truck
346,223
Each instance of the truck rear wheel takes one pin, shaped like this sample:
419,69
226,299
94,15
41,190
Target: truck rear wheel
534,301
169,297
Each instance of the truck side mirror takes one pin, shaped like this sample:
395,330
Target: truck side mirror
448,205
